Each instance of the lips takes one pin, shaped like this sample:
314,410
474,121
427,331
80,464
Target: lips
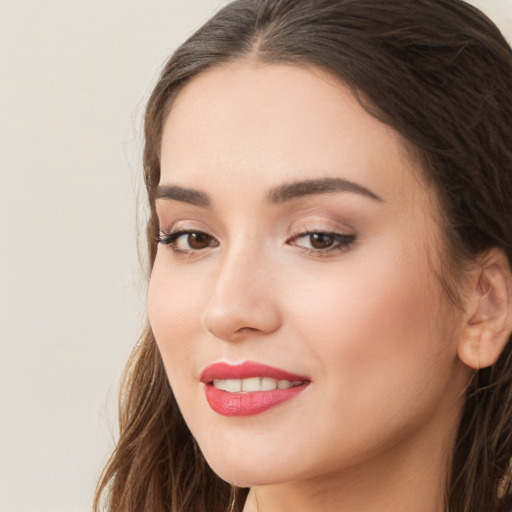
249,388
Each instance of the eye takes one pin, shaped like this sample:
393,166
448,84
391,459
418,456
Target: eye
321,243
187,241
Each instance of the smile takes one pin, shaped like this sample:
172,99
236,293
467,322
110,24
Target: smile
254,384
250,388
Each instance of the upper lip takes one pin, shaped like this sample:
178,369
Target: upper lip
247,370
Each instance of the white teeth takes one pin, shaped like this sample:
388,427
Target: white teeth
233,385
253,384
220,384
268,384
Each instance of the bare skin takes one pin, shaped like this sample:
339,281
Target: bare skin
364,317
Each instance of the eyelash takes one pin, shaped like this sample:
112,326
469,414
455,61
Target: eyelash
340,242
171,237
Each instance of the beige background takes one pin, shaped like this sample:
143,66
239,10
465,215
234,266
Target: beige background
74,76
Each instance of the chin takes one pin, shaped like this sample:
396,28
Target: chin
241,475
249,470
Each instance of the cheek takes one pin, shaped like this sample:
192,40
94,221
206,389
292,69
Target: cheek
174,305
378,332
380,352
364,304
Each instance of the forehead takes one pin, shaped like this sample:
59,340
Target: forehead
261,124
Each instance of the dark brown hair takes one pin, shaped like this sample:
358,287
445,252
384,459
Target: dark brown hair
440,73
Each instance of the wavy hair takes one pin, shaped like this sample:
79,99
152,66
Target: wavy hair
440,73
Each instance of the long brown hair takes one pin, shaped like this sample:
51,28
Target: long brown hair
440,73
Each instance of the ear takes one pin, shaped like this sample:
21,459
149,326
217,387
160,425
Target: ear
488,313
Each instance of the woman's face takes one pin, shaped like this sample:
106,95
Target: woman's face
299,246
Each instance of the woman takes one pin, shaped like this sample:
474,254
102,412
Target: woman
330,184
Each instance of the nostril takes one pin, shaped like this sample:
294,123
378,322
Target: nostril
247,329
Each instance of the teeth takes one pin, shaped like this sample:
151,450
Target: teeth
220,384
253,384
268,384
233,385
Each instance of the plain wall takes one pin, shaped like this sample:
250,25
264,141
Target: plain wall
74,76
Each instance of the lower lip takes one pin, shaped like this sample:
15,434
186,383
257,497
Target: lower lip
248,403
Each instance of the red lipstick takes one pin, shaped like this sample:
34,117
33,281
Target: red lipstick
247,403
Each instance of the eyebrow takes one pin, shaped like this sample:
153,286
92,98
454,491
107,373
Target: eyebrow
185,195
297,189
280,194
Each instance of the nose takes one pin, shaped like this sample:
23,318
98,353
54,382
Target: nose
243,299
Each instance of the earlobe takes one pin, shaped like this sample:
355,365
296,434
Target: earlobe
488,316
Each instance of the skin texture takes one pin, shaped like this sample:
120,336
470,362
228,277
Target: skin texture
368,324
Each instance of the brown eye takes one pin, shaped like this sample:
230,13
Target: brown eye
184,241
321,240
198,240
323,243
